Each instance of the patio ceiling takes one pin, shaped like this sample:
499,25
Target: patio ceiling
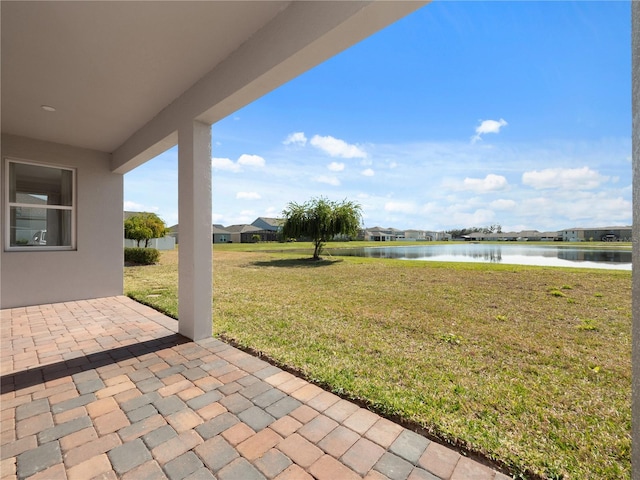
123,76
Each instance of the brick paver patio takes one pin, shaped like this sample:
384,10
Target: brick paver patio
106,389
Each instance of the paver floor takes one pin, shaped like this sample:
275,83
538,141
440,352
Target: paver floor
106,389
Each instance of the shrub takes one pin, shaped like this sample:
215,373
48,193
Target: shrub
141,256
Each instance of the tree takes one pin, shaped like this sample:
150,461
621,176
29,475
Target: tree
144,226
321,220
496,228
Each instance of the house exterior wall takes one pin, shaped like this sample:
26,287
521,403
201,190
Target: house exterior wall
94,269
221,237
571,236
596,234
415,235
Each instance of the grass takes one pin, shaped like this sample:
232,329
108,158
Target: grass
481,356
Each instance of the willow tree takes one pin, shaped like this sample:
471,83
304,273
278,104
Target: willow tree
321,220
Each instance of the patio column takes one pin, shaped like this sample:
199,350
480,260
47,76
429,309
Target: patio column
194,211
635,295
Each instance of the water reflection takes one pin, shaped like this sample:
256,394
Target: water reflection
615,256
564,256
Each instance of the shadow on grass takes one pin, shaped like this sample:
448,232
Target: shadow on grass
297,263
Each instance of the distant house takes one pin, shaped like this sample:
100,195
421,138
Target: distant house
523,236
439,236
379,234
604,234
218,233
536,236
376,234
221,234
425,236
266,223
247,234
416,235
173,232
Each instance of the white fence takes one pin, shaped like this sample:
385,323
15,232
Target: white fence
164,243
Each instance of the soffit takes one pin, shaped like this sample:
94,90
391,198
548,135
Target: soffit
110,67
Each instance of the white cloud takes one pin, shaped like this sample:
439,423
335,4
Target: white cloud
578,209
566,178
368,172
490,183
248,195
393,165
225,164
488,126
272,212
431,207
245,216
336,147
130,206
502,204
328,180
296,138
245,160
452,184
251,160
402,207
478,217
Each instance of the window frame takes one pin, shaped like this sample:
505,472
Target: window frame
8,205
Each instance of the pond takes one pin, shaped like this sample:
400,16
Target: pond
525,254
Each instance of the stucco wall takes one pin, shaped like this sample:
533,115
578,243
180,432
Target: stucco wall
95,268
635,102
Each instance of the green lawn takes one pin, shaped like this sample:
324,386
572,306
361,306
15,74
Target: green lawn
529,366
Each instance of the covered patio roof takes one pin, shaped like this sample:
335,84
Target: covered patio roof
123,76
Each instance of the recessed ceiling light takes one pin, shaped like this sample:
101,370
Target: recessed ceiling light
48,108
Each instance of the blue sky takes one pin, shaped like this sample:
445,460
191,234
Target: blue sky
461,114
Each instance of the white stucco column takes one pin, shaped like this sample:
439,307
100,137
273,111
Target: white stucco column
635,295
194,251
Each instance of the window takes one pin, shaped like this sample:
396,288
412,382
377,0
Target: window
40,207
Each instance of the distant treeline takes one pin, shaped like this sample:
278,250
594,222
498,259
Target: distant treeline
465,231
